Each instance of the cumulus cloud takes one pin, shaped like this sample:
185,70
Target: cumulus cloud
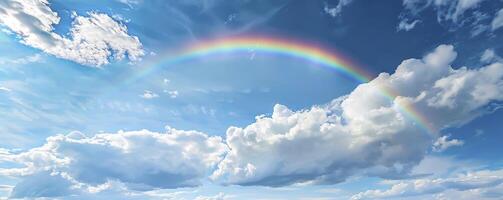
93,40
141,160
475,185
352,135
444,143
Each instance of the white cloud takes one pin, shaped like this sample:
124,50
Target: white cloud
130,3
199,110
450,13
29,59
404,25
463,5
352,135
219,196
141,160
336,11
6,187
446,9
444,143
490,56
5,89
147,94
121,18
498,20
57,186
36,58
468,89
166,81
476,185
172,94
439,166
93,40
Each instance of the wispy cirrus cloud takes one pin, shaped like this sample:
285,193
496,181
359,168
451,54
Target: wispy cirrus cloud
453,14
36,58
5,89
489,55
404,25
498,20
337,10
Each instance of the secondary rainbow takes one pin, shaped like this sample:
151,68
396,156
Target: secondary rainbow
270,45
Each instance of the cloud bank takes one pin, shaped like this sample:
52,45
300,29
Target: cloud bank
366,133
142,160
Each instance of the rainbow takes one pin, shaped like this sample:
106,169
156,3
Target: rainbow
304,51
291,48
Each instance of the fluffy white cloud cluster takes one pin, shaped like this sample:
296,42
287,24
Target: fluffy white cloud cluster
474,185
142,160
92,41
367,132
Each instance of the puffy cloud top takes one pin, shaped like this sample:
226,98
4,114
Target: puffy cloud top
140,159
92,40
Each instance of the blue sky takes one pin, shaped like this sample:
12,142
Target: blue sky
250,125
